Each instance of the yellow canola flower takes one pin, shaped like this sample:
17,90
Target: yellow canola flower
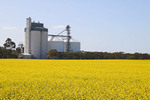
74,79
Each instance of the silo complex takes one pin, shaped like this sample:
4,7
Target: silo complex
36,42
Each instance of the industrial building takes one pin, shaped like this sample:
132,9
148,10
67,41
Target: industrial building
38,42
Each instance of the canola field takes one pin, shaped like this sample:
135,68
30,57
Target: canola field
74,79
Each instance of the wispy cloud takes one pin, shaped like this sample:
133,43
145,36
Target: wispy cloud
9,28
59,26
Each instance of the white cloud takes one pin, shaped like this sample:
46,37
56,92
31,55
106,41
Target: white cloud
59,26
9,28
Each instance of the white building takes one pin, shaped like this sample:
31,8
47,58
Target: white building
74,45
60,44
55,43
37,43
35,40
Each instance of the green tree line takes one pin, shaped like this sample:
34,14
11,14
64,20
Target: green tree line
53,54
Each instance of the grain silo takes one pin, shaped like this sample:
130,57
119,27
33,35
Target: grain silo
36,43
74,45
63,43
55,42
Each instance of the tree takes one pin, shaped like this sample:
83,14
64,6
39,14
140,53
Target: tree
4,53
20,47
18,50
9,44
52,54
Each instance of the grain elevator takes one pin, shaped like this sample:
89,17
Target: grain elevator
38,42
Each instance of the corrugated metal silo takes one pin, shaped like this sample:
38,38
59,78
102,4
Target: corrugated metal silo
55,42
74,45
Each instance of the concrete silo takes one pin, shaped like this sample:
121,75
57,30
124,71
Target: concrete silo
35,40
55,42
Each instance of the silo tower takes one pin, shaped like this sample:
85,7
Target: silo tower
36,39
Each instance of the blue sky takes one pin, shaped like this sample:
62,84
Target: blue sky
100,25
